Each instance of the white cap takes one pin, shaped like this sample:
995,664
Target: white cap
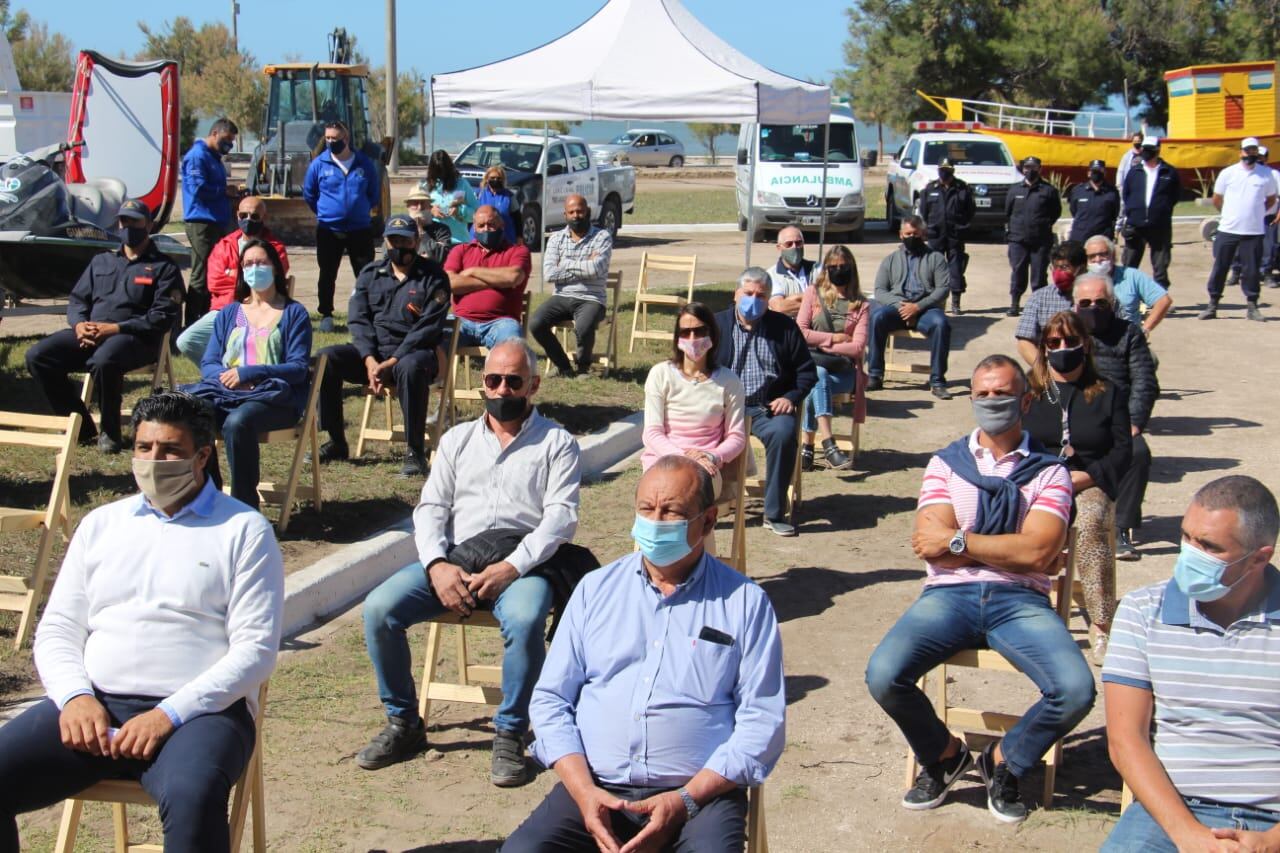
1249,142
1150,142
1263,151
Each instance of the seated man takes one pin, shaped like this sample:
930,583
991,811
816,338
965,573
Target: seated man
911,287
1066,263
437,239
577,263
510,472
163,623
662,697
790,277
1122,357
396,315
1200,656
991,524
488,277
1133,287
768,353
224,268
118,312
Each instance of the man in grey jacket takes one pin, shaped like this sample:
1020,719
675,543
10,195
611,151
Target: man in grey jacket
911,286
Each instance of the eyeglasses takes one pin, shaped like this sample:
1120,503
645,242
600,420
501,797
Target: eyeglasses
493,381
792,244
1099,256
1053,342
252,217
1101,302
692,332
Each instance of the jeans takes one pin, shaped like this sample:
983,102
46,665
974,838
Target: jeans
1160,239
240,428
1012,619
1027,261
818,403
194,339
1225,248
1138,832
411,375
190,777
778,434
330,246
406,598
586,315
933,323
487,334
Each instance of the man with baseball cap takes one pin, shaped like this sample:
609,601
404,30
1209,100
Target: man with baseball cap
1030,209
396,316
1243,193
947,208
1094,204
1151,189
118,313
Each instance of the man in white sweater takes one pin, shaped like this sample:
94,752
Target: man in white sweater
163,623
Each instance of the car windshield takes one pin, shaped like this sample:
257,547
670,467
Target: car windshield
624,138
481,154
963,152
799,143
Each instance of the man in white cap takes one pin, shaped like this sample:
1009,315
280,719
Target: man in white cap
1243,193
1148,197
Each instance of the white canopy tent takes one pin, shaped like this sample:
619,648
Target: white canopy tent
633,60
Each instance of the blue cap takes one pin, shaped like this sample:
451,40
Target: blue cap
132,208
401,225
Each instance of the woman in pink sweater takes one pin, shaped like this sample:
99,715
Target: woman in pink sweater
833,319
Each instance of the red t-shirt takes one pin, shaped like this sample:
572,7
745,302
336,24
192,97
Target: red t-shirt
489,303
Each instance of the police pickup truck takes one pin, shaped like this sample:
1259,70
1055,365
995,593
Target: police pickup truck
984,162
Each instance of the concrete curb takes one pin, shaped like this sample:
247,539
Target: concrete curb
331,584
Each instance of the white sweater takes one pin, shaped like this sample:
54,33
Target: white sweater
187,609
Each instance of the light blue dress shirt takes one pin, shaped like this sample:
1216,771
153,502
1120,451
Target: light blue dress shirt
629,683
1133,288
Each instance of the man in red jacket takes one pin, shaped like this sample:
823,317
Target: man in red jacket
223,270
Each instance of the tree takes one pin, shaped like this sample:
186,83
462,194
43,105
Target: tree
411,110
44,62
707,133
13,24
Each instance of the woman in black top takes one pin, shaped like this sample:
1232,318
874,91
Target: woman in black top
1086,419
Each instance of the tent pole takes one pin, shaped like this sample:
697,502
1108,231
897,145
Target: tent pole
753,153
826,154
542,218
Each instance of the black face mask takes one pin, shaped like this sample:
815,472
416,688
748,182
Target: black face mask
249,227
1095,319
1251,159
495,186
1097,175
840,276
135,235
402,257
580,224
336,146
913,245
225,146
506,409
491,240
1032,175
1149,154
1066,360
946,175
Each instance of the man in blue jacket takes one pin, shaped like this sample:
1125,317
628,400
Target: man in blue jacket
1151,189
206,207
342,187
768,353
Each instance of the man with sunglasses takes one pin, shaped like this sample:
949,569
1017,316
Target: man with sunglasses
224,269
511,471
1133,288
790,277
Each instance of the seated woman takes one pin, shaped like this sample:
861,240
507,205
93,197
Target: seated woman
692,407
1076,411
834,318
256,367
494,192
453,202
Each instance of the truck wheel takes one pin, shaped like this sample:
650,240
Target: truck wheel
531,226
676,162
611,216
742,223
890,212
856,236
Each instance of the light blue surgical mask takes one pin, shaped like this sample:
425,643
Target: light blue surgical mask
662,542
260,276
750,308
1199,575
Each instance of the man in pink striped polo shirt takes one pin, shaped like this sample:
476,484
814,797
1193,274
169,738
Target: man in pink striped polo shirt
991,522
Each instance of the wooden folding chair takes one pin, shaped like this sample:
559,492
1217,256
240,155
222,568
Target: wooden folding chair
757,832
609,360
992,723
468,687
122,793
891,354
734,500
463,363
24,595
162,369
851,441
393,433
646,298
755,485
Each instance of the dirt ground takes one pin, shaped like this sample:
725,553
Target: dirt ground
837,588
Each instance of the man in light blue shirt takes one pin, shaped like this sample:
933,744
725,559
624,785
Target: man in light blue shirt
1133,287
662,696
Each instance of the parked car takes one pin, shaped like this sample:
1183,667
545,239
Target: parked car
611,190
641,147
984,162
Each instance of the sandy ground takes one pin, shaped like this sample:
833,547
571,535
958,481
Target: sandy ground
837,589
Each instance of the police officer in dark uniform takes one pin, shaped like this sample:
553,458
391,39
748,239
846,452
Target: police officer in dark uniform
118,312
396,316
1095,205
947,208
1030,210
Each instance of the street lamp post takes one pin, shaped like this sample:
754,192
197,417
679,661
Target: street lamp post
393,130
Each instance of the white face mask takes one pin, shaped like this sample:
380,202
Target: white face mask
164,481
1100,267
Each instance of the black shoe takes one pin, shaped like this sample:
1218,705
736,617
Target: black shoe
1014,309
507,768
941,392
1252,313
875,383
837,459
1124,547
1210,313
934,781
415,465
108,445
88,434
806,457
1003,799
332,450
400,739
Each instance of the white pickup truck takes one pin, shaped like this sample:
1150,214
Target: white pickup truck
610,190
984,162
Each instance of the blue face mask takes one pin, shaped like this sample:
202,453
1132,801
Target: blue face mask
750,308
1199,575
259,277
661,542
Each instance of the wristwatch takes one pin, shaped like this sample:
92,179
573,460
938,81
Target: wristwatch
691,808
958,543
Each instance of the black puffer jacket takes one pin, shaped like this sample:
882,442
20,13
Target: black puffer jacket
1121,354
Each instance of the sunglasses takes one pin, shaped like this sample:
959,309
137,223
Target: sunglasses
1101,302
493,381
252,217
1067,341
692,332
